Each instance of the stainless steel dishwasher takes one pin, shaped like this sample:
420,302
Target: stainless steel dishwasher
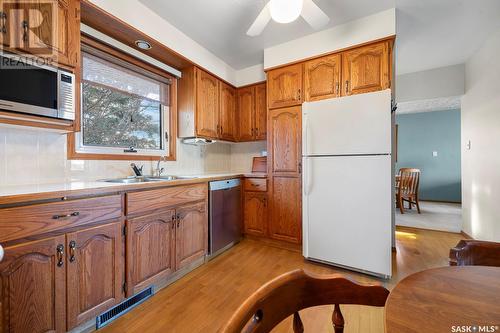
225,228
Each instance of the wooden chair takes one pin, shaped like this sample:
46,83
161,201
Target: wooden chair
469,252
407,189
291,292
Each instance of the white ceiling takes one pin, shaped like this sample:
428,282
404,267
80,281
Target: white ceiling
431,33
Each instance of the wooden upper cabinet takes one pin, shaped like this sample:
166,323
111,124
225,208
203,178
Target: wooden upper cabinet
285,86
322,78
228,112
246,107
366,69
150,250
95,264
33,282
261,112
191,234
284,141
207,105
255,213
38,24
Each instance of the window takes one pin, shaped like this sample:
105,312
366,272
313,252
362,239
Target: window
124,108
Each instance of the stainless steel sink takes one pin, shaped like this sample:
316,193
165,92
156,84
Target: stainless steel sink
145,179
130,180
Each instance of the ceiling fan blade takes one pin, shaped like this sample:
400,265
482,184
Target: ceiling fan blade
314,15
260,22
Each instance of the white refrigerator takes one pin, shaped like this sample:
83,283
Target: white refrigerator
347,185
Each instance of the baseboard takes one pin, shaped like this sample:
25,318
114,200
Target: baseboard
442,201
276,243
467,236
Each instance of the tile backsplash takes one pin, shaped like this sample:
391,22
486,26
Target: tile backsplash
33,156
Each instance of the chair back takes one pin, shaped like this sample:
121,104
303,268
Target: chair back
409,180
469,252
291,292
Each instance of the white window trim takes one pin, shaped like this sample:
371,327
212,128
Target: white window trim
165,126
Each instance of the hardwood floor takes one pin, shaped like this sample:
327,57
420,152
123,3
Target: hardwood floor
204,300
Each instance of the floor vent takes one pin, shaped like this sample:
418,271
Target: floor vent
123,307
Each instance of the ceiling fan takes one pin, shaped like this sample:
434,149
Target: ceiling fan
286,11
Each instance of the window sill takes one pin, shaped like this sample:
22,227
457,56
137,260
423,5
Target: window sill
74,155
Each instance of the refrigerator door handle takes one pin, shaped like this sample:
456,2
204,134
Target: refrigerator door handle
307,177
306,131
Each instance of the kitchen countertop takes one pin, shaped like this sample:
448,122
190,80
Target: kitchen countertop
39,192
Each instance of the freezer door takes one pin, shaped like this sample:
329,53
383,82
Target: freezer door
358,124
347,212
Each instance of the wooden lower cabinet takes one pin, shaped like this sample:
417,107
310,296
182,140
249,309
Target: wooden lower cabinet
150,249
285,221
255,213
95,271
191,234
33,287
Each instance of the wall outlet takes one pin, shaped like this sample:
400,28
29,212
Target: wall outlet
434,153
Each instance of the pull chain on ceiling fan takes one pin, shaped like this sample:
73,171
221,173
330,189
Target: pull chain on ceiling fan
286,11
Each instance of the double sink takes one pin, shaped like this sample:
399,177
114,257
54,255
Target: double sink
146,179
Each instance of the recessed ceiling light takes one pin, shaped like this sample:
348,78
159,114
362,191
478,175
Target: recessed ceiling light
142,44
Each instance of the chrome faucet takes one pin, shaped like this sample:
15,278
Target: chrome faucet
159,170
137,171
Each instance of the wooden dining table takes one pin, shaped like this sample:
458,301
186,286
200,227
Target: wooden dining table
447,299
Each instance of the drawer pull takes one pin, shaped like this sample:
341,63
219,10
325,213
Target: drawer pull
57,217
256,185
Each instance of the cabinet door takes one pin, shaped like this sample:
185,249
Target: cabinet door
322,78
54,24
95,271
8,21
285,141
366,69
285,86
255,213
227,112
260,112
285,222
207,105
33,282
246,107
191,235
150,250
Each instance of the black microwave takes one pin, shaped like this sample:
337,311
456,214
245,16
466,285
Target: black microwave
37,89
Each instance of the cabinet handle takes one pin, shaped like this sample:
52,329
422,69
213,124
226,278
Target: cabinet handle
337,88
298,95
347,87
221,130
256,185
57,217
72,250
3,17
253,131
178,220
25,30
256,131
300,167
60,255
173,221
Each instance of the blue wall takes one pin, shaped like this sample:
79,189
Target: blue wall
419,134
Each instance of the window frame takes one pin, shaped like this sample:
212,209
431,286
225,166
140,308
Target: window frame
76,149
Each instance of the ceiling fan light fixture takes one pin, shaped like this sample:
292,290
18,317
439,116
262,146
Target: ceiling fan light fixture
285,11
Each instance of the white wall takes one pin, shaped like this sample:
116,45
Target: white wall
359,31
481,125
435,83
250,75
144,19
242,155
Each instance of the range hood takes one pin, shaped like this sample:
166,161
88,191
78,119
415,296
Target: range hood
197,141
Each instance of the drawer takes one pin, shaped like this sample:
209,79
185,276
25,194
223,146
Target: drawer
150,200
25,221
256,184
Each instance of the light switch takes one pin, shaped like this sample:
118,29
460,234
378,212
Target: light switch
434,153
